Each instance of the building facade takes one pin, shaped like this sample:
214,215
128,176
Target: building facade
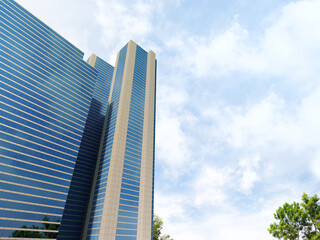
76,137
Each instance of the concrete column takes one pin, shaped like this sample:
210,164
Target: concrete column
112,197
146,177
92,62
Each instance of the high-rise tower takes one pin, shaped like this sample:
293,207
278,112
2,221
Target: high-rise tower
76,138
120,206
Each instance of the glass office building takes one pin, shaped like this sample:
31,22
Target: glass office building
76,137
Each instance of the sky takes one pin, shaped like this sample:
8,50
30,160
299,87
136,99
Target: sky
238,93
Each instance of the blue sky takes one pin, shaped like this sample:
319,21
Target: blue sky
238,98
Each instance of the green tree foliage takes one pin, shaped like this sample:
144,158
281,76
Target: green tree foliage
37,234
298,220
157,228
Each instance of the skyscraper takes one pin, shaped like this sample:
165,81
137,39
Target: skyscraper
76,137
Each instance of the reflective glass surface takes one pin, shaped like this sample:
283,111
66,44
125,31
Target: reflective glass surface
100,187
88,152
46,92
129,194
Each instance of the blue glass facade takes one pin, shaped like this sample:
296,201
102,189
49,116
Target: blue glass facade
129,194
79,192
45,94
58,121
102,176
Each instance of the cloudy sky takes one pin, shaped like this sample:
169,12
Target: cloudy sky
238,100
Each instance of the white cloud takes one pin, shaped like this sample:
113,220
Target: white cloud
248,172
315,166
288,48
257,141
173,145
210,185
269,122
121,21
74,25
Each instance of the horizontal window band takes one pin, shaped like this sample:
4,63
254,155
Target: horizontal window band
77,191
17,179
44,146
75,104
81,98
30,203
125,235
131,218
133,137
43,30
25,211
130,190
80,188
72,215
29,220
138,141
76,196
102,179
100,198
131,179
27,170
32,155
139,110
134,157
137,125
94,227
130,149
71,220
29,229
26,150
58,42
42,90
41,119
77,179
27,186
31,195
95,216
125,229
138,93
128,205
51,117
80,117
133,164
35,136
132,161
22,38
85,176
131,185
80,205
50,129
138,99
74,61
78,212
138,116
81,169
75,203
71,231
127,223
40,166
135,133
132,171
137,196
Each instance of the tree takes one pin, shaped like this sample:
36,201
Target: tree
298,220
311,206
157,228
